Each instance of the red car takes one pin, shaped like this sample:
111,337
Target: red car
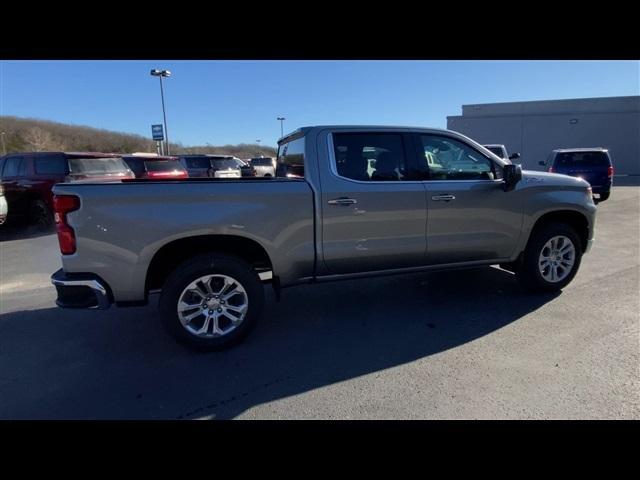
27,179
155,167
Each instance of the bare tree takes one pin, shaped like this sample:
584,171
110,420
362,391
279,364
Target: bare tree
40,140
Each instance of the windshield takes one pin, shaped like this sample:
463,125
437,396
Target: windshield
162,165
262,162
197,162
224,164
98,166
583,159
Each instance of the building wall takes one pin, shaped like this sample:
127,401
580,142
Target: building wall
536,128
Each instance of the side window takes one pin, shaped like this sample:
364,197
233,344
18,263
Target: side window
13,167
450,159
51,165
370,156
290,163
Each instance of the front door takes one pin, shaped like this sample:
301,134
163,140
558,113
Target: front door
373,215
470,216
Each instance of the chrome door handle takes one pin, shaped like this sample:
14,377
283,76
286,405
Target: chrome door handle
446,198
342,201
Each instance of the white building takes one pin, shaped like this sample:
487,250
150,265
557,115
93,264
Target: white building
536,128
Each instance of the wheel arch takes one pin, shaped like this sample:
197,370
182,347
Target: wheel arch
577,220
169,256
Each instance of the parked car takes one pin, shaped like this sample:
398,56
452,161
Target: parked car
155,167
196,165
265,166
27,178
3,205
501,151
210,247
592,164
223,166
246,170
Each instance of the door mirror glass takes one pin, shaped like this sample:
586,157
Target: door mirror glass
514,156
542,162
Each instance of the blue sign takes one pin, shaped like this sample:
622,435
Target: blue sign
157,132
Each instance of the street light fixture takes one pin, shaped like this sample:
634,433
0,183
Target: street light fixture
163,73
281,119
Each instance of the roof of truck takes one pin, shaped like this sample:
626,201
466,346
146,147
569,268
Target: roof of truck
583,149
303,130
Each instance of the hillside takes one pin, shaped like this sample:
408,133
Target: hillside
33,135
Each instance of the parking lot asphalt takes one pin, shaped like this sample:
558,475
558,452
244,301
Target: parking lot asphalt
461,344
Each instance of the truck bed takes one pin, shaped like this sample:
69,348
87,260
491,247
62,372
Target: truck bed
276,213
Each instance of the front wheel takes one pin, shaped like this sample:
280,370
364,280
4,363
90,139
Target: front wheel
211,301
551,259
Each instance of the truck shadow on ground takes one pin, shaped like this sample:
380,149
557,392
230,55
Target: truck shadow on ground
119,364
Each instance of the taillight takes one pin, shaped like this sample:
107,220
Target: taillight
610,171
550,169
63,204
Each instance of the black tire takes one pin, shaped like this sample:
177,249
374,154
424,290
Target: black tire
199,266
604,196
529,274
40,216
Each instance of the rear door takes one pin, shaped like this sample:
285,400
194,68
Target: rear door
373,214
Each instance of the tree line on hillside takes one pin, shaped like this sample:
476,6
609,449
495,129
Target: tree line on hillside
33,135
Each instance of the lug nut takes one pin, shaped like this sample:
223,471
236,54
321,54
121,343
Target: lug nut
219,309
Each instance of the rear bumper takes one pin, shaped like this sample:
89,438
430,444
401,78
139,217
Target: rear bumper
80,290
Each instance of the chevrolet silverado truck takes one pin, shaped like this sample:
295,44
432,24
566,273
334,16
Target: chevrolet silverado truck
346,202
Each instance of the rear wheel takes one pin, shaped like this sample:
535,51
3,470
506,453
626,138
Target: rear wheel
551,259
211,301
604,196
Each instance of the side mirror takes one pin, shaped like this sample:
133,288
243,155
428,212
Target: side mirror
512,175
542,162
514,156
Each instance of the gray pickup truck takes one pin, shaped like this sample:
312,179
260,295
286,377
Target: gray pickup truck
346,202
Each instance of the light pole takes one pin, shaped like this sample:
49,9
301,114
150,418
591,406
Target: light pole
282,119
163,73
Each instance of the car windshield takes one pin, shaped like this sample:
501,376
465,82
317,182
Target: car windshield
197,162
224,163
162,165
98,166
583,159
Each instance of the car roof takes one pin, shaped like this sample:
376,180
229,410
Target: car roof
69,154
150,157
594,149
303,130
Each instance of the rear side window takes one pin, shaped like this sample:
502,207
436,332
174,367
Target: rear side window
97,166
370,156
13,167
290,162
197,162
582,159
56,165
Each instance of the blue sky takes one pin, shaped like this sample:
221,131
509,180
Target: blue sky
220,102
